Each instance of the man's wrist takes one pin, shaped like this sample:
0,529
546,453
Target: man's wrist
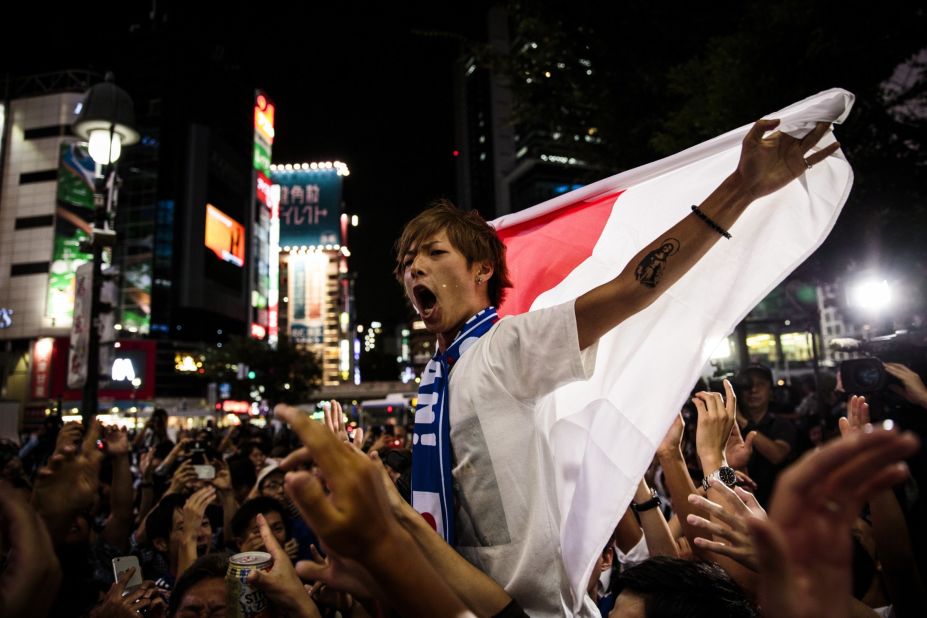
712,462
669,454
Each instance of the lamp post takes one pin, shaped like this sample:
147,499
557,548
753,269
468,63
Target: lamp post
107,122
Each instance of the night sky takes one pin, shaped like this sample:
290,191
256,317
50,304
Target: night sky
369,85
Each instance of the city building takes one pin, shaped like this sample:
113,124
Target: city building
316,308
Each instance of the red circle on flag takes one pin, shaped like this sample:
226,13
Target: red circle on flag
431,521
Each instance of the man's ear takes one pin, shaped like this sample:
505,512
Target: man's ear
160,544
485,270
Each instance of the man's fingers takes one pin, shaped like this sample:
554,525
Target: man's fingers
807,473
759,129
710,526
719,548
298,457
822,154
844,424
308,570
883,479
814,136
325,447
858,469
307,494
270,541
730,399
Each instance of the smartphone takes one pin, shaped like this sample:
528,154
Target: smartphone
121,564
205,472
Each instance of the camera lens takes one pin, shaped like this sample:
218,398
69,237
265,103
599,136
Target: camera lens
868,376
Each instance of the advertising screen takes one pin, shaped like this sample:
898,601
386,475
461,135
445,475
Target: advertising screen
225,236
310,207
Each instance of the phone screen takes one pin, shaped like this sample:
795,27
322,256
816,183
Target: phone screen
121,564
205,472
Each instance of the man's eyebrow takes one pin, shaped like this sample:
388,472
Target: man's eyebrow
424,245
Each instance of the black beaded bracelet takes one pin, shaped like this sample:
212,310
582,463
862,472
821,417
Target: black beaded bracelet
710,223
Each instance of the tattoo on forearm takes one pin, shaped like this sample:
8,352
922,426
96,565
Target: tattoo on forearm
650,270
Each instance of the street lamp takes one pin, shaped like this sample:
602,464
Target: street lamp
107,121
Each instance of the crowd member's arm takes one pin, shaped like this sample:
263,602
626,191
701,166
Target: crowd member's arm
281,584
194,510
165,465
68,484
225,444
183,476
678,480
890,529
776,451
804,549
355,521
716,419
628,532
146,485
119,523
739,450
766,165
30,578
660,541
223,485
912,387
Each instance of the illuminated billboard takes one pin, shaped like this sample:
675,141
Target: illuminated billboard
73,216
310,206
308,291
225,236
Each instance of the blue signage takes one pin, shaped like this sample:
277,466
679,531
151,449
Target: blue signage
310,207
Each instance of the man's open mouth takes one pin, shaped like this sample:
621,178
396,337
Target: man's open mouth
424,298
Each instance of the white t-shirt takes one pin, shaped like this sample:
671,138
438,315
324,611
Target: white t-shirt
506,520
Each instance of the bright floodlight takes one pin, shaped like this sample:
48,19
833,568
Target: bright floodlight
871,295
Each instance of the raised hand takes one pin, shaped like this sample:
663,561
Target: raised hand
715,422
334,420
857,416
183,477
30,578
912,387
769,163
117,441
281,584
804,549
145,600
729,523
68,483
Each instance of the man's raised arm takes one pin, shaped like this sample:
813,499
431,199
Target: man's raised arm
766,165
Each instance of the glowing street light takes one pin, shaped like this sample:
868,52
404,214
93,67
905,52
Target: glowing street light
871,295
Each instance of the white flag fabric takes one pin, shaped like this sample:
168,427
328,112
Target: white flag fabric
603,433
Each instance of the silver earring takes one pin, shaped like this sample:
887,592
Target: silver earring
479,281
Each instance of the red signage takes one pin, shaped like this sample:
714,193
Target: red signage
231,406
43,351
258,331
132,371
263,189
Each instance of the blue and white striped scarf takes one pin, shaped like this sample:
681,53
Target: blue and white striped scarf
432,485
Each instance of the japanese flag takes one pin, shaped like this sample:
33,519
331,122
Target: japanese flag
603,433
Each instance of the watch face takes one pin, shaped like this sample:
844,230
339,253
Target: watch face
727,476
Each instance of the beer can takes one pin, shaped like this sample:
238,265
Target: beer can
245,601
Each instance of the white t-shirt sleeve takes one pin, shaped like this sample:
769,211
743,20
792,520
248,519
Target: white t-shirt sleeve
534,353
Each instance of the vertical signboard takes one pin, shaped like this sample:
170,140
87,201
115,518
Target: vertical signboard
80,327
42,351
73,216
273,293
310,207
262,248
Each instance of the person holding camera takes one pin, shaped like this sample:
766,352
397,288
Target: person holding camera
775,439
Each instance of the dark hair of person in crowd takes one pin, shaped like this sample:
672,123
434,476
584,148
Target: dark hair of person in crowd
210,566
252,508
468,232
673,587
243,474
160,520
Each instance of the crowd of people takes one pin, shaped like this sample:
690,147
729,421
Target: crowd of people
330,503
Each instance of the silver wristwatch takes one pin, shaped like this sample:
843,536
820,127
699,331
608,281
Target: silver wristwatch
725,474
